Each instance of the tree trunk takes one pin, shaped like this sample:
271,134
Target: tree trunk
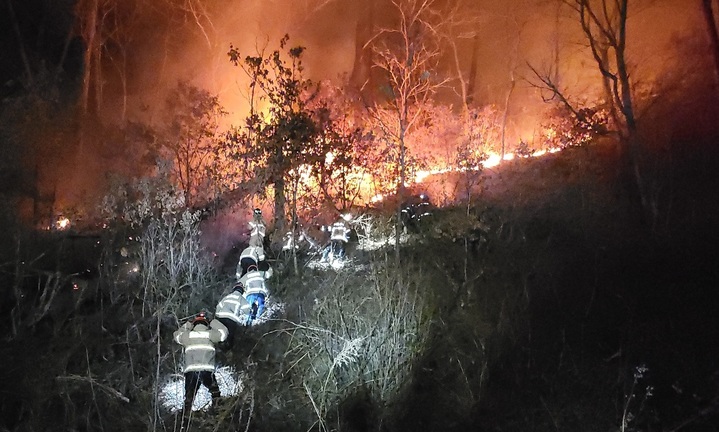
713,33
89,36
462,83
97,60
279,185
607,85
472,79
402,174
506,111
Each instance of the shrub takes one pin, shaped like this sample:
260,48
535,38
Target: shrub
363,337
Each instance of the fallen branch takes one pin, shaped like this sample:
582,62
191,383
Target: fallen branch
92,381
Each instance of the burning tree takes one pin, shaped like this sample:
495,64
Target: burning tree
308,141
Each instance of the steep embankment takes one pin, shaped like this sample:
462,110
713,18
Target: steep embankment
589,300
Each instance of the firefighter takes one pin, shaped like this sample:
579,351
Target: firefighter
251,255
415,210
232,311
198,338
339,236
258,229
256,291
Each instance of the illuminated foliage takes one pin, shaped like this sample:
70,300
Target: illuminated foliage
349,149
407,54
365,335
480,135
166,239
563,128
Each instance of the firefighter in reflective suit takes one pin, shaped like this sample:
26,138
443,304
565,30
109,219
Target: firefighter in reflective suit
339,236
251,256
198,338
258,229
233,310
255,291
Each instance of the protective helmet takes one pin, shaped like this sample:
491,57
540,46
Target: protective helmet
239,287
257,212
200,318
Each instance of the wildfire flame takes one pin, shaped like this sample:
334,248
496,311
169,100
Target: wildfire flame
62,223
492,161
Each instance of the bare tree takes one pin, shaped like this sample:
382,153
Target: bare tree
519,26
460,22
191,138
21,43
361,75
109,27
604,27
408,55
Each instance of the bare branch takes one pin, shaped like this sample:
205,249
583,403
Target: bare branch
109,390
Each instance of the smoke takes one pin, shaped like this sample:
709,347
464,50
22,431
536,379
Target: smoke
193,46
189,40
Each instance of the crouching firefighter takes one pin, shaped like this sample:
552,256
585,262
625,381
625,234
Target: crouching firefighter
255,291
250,256
198,338
232,311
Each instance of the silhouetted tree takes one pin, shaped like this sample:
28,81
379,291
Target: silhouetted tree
279,140
190,138
604,27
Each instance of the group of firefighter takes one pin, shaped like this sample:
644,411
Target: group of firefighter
245,303
200,336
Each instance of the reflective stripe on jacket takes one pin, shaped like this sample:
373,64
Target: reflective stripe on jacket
233,306
254,252
254,283
339,232
257,228
199,345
